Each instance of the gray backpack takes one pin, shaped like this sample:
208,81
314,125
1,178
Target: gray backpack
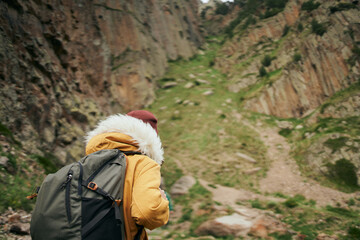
82,200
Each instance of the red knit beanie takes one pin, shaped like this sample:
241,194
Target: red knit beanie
145,116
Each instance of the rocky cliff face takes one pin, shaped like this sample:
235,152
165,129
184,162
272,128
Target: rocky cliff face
326,62
65,64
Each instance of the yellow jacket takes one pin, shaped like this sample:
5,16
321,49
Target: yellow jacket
142,201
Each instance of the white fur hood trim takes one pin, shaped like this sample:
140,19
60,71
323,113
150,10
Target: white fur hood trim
143,134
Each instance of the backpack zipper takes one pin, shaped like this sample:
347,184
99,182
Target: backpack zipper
67,184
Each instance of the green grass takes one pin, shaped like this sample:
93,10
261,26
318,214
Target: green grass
206,127
303,216
204,137
254,90
21,176
49,162
343,172
339,96
310,221
8,134
197,194
16,185
171,172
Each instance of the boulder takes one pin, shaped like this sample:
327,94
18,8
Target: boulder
245,221
182,186
252,171
170,85
235,225
284,124
189,85
246,157
323,236
4,161
202,81
208,93
20,228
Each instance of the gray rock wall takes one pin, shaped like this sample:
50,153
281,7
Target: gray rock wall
65,64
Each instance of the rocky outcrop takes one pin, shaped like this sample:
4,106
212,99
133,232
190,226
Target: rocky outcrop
15,225
243,222
328,62
182,186
213,23
271,28
335,156
349,107
64,65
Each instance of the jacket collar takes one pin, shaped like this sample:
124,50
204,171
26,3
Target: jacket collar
143,135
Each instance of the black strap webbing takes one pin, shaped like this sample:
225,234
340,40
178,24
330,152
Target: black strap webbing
132,153
90,225
99,191
138,234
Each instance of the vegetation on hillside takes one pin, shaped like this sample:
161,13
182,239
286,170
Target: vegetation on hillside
210,123
19,174
201,136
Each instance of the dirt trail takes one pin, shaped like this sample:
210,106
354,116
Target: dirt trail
228,196
284,175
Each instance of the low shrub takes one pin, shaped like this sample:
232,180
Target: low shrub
275,3
354,232
285,132
297,57
49,162
336,144
343,172
300,27
266,61
256,204
310,5
222,8
291,203
285,30
318,28
342,211
262,71
342,7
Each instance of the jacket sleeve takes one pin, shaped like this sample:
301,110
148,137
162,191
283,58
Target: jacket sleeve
148,208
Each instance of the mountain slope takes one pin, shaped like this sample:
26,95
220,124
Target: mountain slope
308,54
208,135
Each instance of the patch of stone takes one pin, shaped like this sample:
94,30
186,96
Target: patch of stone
208,93
246,157
284,124
323,236
242,223
169,85
189,85
182,186
4,161
202,81
15,225
252,171
191,75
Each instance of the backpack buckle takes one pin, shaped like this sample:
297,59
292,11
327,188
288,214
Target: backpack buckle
117,202
93,186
